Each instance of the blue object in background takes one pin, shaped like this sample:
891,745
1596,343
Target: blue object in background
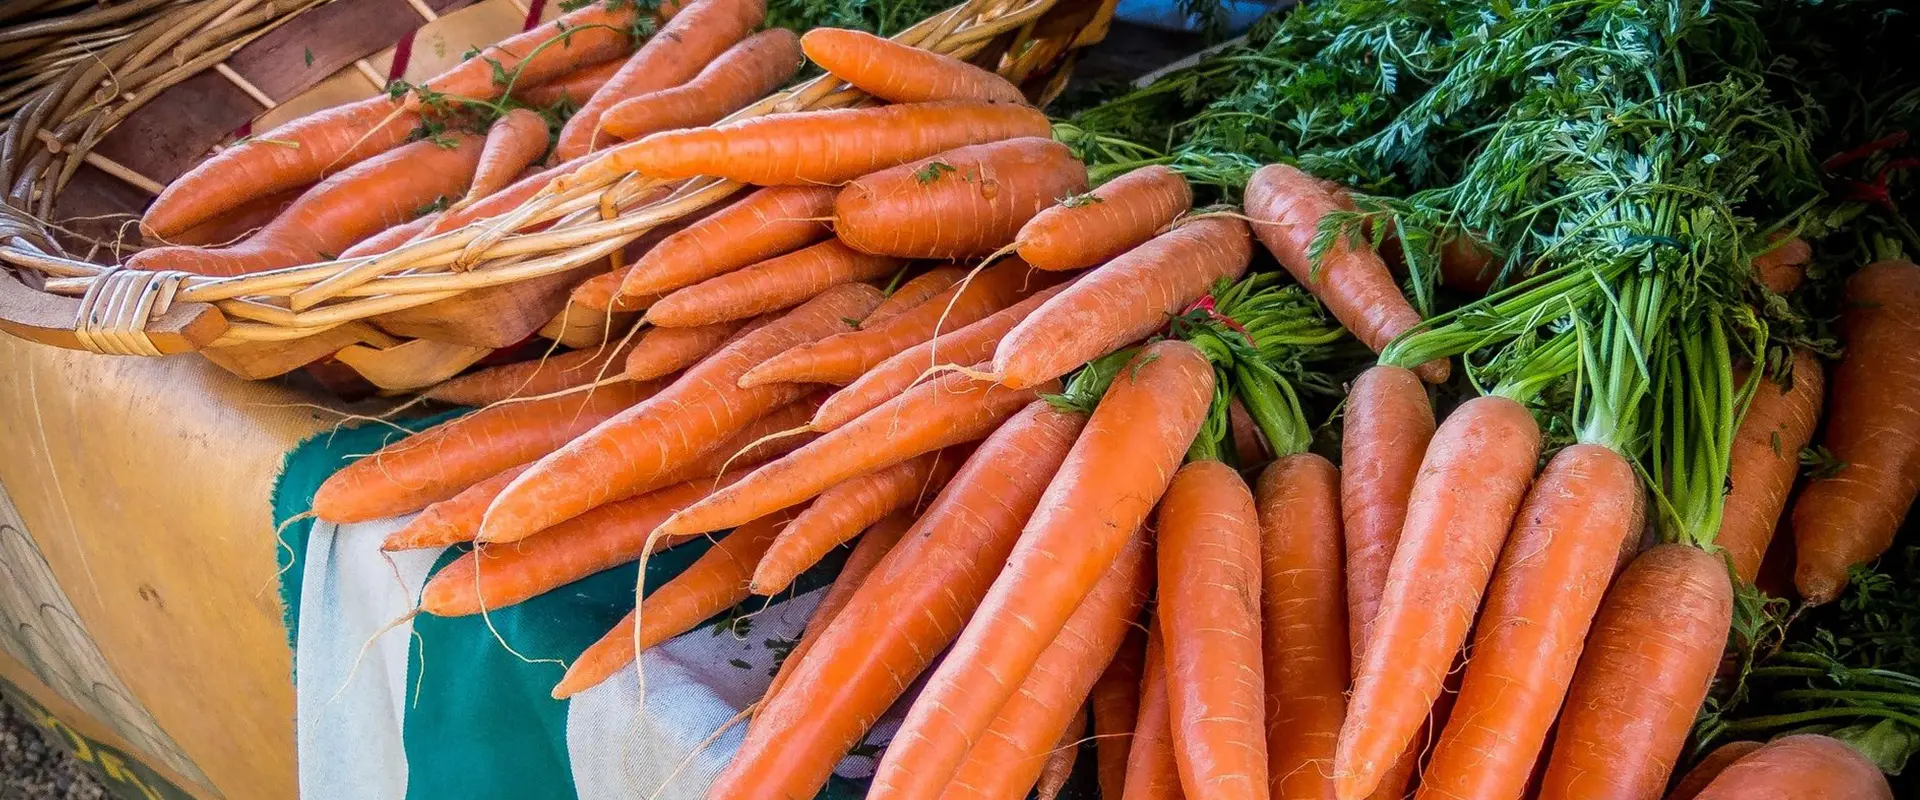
1166,14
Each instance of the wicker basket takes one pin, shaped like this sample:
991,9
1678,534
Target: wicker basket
108,103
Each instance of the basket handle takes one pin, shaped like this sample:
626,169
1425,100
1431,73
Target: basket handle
132,316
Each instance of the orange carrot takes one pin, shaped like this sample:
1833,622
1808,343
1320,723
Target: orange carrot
573,88
1765,459
1783,266
1016,750
496,576
777,283
767,223
1119,468
1120,215
535,378
1803,765
841,512
602,293
1287,206
1059,767
1153,772
743,74
1850,518
842,359
495,204
917,290
457,519
1388,424
1470,485
1115,702
662,351
696,412
712,584
298,153
366,199
1123,301
899,73
816,147
390,238
876,544
1545,592
1703,773
1647,665
979,195
438,462
687,43
238,222
1210,582
904,614
940,413
596,33
889,378
1306,622
515,142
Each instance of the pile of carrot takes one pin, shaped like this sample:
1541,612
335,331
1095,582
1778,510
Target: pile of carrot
1068,432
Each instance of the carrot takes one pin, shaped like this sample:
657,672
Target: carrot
390,238
1545,592
777,283
1388,425
1120,215
662,351
457,519
691,415
1210,576
1801,766
917,290
841,512
1648,662
842,359
1122,301
765,224
496,576
515,141
889,378
1287,206
1765,459
1703,773
1470,485
1305,640
573,88
1119,468
495,204
905,613
940,413
238,222
366,199
743,74
534,378
876,544
1115,702
710,585
980,195
1060,761
602,293
1783,266
437,463
596,33
1017,748
1153,772
1850,518
899,73
298,153
687,43
816,147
